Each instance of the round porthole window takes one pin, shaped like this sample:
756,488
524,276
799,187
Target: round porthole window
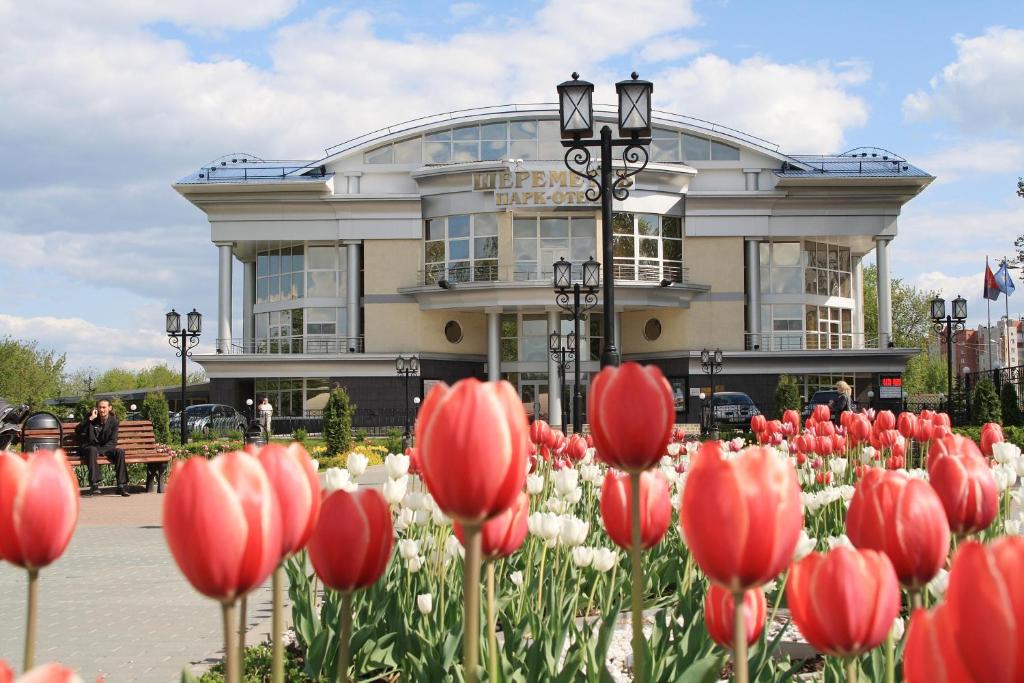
453,331
652,329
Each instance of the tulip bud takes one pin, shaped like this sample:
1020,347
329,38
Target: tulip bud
352,542
718,614
356,464
424,603
397,466
394,490
516,578
582,556
632,412
604,559
616,508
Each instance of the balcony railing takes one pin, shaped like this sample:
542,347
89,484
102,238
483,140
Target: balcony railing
442,274
808,341
291,345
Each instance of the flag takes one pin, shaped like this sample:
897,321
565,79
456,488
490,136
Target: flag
1003,280
991,287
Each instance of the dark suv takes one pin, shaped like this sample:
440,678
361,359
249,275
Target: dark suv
734,408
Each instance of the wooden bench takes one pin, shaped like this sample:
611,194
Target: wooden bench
134,437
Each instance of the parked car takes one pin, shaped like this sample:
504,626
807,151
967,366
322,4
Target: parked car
825,397
211,419
734,408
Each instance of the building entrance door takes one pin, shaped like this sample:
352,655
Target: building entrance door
534,394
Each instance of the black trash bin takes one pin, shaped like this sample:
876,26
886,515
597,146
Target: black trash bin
39,421
254,435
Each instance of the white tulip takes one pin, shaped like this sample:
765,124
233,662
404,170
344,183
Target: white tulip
804,547
415,564
394,490
438,516
666,461
453,548
516,578
846,492
838,541
415,500
692,447
545,525
425,603
574,497
937,586
316,465
918,473
771,586
1012,527
590,473
573,531
404,519
673,449
421,517
337,479
898,627
588,456
582,556
604,559
534,484
867,455
838,466
566,480
408,548
1005,476
397,465
356,464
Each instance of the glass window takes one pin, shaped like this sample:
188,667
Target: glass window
523,130
321,284
485,224
493,150
437,152
458,226
409,151
381,155
494,131
696,149
466,133
722,152
523,149
465,151
322,258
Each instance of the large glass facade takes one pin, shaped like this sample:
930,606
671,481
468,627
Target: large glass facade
461,248
671,145
539,241
294,396
647,247
524,336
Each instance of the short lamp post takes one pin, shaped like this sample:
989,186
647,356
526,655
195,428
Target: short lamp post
132,414
184,339
249,410
563,355
946,326
408,366
575,298
711,363
576,120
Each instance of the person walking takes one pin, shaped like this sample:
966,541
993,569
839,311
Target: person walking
266,413
843,402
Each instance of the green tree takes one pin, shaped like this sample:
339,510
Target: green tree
787,395
154,409
29,374
925,374
1012,416
911,321
156,376
985,405
338,422
118,408
115,379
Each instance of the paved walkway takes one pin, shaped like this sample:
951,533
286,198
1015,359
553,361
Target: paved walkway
116,604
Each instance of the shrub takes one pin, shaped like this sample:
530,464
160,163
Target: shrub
1012,415
360,435
374,455
154,409
787,395
300,435
338,422
985,403
393,441
118,408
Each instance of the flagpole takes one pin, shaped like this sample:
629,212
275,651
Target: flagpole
988,333
1006,300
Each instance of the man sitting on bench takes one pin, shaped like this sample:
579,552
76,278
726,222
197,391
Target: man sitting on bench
97,435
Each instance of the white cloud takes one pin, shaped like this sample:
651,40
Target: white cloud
463,10
951,286
981,90
670,48
974,157
804,108
190,14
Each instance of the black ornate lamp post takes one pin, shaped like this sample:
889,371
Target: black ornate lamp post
184,340
575,298
563,355
576,119
946,326
408,366
711,363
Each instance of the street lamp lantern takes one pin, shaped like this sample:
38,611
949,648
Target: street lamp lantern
938,308
576,108
711,363
570,342
705,356
173,322
563,274
718,356
960,308
634,107
407,366
554,341
195,322
591,274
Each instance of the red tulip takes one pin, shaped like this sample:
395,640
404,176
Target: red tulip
298,493
906,423
474,443
923,430
825,429
540,432
952,444
679,434
414,459
940,431
753,501
44,673
631,413
352,542
931,654
838,443
823,445
576,447
885,420
844,601
968,491
902,518
222,524
616,510
991,432
942,419
821,413
556,441
502,535
38,507
860,428
758,424
718,614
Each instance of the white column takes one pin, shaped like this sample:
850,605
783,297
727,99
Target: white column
493,345
753,259
884,292
554,387
224,298
858,301
352,252
248,301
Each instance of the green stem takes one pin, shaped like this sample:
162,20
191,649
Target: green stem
492,632
344,642
850,665
231,668
890,659
540,578
277,653
30,619
739,638
242,604
916,601
590,598
636,569
778,598
471,601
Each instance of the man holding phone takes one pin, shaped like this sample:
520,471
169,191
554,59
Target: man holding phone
97,435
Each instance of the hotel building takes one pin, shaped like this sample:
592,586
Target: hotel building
436,238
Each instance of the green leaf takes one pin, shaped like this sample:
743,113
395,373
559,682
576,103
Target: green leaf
188,677
706,670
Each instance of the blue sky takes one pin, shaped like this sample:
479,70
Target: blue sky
107,103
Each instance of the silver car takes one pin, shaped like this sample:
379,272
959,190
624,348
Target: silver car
211,419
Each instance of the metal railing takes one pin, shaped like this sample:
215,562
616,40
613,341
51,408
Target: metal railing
808,341
291,345
374,421
447,275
